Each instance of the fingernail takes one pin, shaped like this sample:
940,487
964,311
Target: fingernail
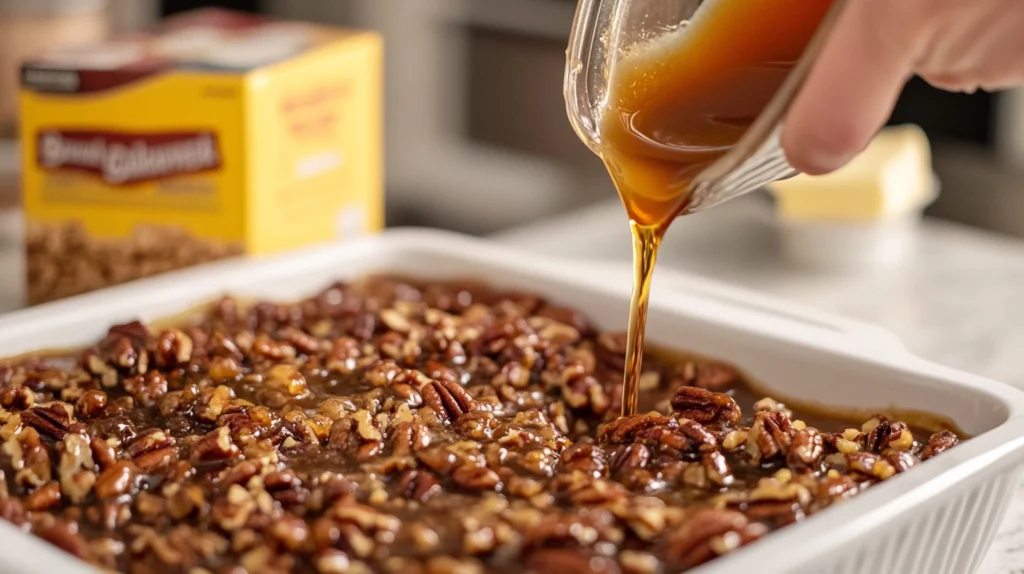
820,162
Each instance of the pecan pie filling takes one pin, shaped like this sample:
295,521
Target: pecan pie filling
391,425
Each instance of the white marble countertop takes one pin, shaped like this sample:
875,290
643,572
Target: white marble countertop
958,299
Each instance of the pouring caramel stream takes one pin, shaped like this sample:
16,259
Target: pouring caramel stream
676,105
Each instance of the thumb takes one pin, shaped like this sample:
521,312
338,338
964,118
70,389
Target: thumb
848,95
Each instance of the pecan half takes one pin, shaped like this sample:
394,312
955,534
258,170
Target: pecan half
688,436
707,375
805,451
770,435
708,534
630,457
625,429
476,478
705,407
115,481
418,485
585,458
565,560
409,437
44,497
448,400
52,421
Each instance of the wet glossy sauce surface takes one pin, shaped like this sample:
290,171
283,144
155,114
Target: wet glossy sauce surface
396,425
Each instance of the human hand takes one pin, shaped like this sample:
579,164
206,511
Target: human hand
876,46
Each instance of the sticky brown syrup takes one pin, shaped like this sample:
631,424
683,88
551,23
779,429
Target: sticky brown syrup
677,105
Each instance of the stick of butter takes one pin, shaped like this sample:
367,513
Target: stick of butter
892,177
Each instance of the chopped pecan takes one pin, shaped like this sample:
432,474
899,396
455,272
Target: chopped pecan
173,348
147,389
582,528
63,535
584,458
476,478
240,473
869,464
152,450
76,468
102,452
705,407
418,485
586,392
91,403
116,480
707,375
938,443
215,446
837,487
300,340
611,350
13,511
17,397
900,461
124,348
286,487
343,434
29,458
717,468
44,497
567,316
884,433
778,501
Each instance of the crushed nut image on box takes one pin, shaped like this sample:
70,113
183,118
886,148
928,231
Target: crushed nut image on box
64,260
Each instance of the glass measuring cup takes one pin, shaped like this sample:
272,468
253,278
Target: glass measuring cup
605,31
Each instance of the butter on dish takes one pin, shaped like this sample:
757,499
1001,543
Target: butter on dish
892,177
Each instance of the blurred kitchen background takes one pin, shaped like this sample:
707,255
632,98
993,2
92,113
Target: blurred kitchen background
476,135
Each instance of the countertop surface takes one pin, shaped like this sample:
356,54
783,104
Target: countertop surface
958,299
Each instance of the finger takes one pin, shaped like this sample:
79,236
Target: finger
983,54
849,93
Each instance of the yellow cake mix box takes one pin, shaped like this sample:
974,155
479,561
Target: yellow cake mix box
218,134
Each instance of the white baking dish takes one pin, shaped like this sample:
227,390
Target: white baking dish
938,518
